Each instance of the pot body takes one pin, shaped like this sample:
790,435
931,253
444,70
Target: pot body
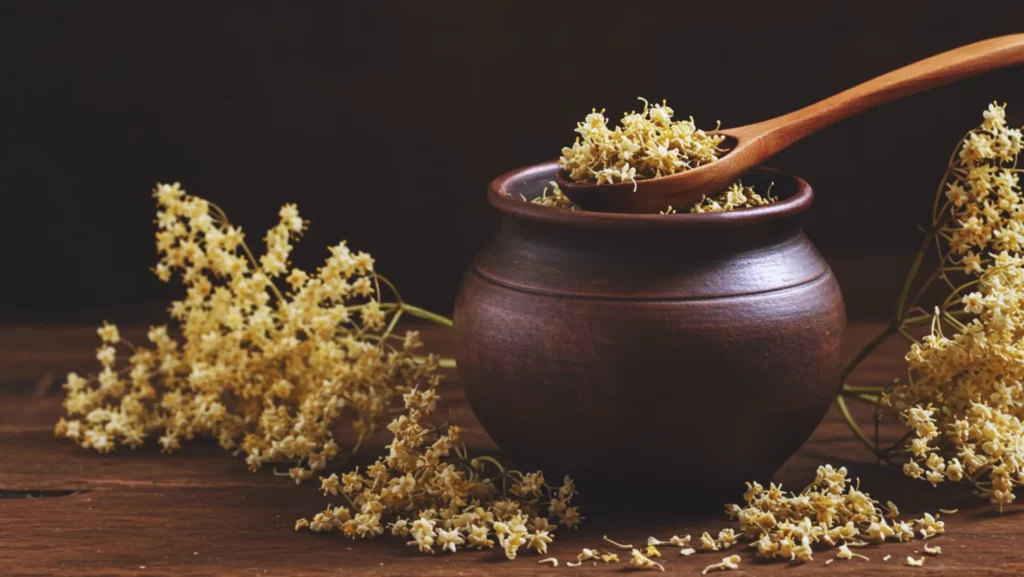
682,358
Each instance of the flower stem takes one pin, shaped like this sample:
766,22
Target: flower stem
854,427
427,315
863,354
443,363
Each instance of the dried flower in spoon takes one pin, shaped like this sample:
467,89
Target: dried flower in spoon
645,144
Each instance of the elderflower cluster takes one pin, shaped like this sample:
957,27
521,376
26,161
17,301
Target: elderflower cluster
963,399
274,372
646,144
443,503
830,512
264,369
556,199
737,196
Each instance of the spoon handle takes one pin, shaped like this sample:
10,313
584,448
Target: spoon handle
963,62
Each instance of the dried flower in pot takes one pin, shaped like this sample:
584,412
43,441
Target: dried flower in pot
650,353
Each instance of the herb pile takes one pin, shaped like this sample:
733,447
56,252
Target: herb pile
273,359
646,144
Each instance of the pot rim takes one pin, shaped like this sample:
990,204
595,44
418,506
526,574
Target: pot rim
499,197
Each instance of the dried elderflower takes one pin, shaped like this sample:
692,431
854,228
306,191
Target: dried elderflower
708,543
270,371
265,371
647,144
675,541
454,504
728,563
639,560
962,398
830,512
737,196
845,553
556,199
585,555
609,558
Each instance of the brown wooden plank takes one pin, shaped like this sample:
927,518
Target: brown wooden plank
200,512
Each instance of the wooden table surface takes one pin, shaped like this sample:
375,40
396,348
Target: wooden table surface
68,511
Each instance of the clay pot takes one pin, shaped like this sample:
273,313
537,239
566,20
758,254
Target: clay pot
645,353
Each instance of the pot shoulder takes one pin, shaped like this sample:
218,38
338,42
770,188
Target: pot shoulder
647,266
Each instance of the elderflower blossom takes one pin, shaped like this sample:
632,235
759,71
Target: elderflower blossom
645,144
830,512
265,372
648,144
728,563
736,196
444,502
442,499
963,399
556,199
586,555
641,561
845,553
271,371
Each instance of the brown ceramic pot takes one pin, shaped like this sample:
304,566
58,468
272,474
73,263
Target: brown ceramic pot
645,353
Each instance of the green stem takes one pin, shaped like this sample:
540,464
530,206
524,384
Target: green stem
427,315
862,397
911,276
868,390
863,354
443,363
852,423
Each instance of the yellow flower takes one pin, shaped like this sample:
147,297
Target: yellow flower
272,373
637,559
644,145
109,333
727,563
968,384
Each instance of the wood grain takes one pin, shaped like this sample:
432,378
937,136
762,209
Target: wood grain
67,511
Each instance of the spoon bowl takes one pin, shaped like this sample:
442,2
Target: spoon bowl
748,146
656,194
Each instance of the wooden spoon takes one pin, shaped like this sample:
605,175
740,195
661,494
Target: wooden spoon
749,145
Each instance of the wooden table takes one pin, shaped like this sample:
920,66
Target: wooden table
68,511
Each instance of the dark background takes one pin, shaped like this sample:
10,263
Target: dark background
385,121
